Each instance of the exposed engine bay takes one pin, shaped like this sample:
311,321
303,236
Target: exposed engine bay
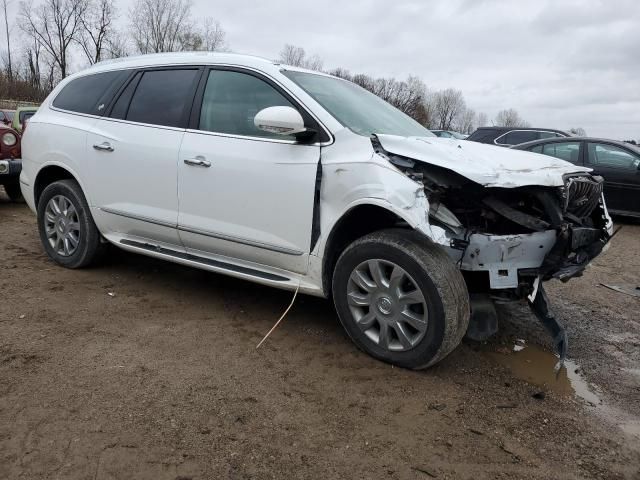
507,241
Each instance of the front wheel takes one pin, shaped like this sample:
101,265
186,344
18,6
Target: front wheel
401,298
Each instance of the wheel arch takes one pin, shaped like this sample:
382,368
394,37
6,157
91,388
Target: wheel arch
51,173
357,221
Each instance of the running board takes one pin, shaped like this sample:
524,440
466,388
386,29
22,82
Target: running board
205,261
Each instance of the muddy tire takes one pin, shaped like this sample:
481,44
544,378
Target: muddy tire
67,230
13,192
401,298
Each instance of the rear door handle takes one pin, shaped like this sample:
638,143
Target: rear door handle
199,161
104,146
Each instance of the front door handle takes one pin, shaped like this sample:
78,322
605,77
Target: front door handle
104,146
199,161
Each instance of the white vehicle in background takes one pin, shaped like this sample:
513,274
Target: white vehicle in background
449,134
300,180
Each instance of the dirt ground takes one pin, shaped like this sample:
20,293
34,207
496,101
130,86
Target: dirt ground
140,369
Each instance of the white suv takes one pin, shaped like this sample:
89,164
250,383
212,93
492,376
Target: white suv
300,180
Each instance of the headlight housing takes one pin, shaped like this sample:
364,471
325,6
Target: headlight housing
9,139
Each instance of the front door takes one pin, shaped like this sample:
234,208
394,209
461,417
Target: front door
245,194
621,171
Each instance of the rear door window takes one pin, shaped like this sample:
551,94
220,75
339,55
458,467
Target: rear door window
516,137
162,97
569,151
91,93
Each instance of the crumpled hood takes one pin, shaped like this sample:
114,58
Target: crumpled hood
488,165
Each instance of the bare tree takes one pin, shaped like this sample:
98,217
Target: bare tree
428,107
213,35
117,46
292,55
97,29
578,132
482,120
297,57
466,121
32,60
510,118
55,24
448,104
158,25
5,4
210,37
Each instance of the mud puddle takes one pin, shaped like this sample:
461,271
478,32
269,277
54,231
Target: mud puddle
536,366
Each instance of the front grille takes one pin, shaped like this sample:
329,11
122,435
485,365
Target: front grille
582,195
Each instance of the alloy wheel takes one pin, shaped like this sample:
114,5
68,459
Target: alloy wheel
62,225
387,305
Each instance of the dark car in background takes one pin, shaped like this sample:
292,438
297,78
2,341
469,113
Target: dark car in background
617,162
508,136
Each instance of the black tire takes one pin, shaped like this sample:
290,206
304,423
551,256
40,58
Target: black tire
433,272
90,247
13,191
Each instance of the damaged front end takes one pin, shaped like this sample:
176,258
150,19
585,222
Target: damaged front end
508,240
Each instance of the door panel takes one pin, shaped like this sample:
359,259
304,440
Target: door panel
619,168
134,178
245,193
254,202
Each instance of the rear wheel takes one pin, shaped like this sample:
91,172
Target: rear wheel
401,298
67,230
13,191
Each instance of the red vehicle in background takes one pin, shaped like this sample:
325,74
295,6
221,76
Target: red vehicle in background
6,116
10,162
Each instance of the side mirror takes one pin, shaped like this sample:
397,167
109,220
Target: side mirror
280,120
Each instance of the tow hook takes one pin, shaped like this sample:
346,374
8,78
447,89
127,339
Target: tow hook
540,307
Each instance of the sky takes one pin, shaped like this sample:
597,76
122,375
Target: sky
560,64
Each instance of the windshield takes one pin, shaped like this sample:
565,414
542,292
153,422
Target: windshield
355,108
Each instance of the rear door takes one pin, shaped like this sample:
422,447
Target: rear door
620,168
245,194
133,155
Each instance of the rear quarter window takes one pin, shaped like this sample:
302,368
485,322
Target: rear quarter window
91,93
